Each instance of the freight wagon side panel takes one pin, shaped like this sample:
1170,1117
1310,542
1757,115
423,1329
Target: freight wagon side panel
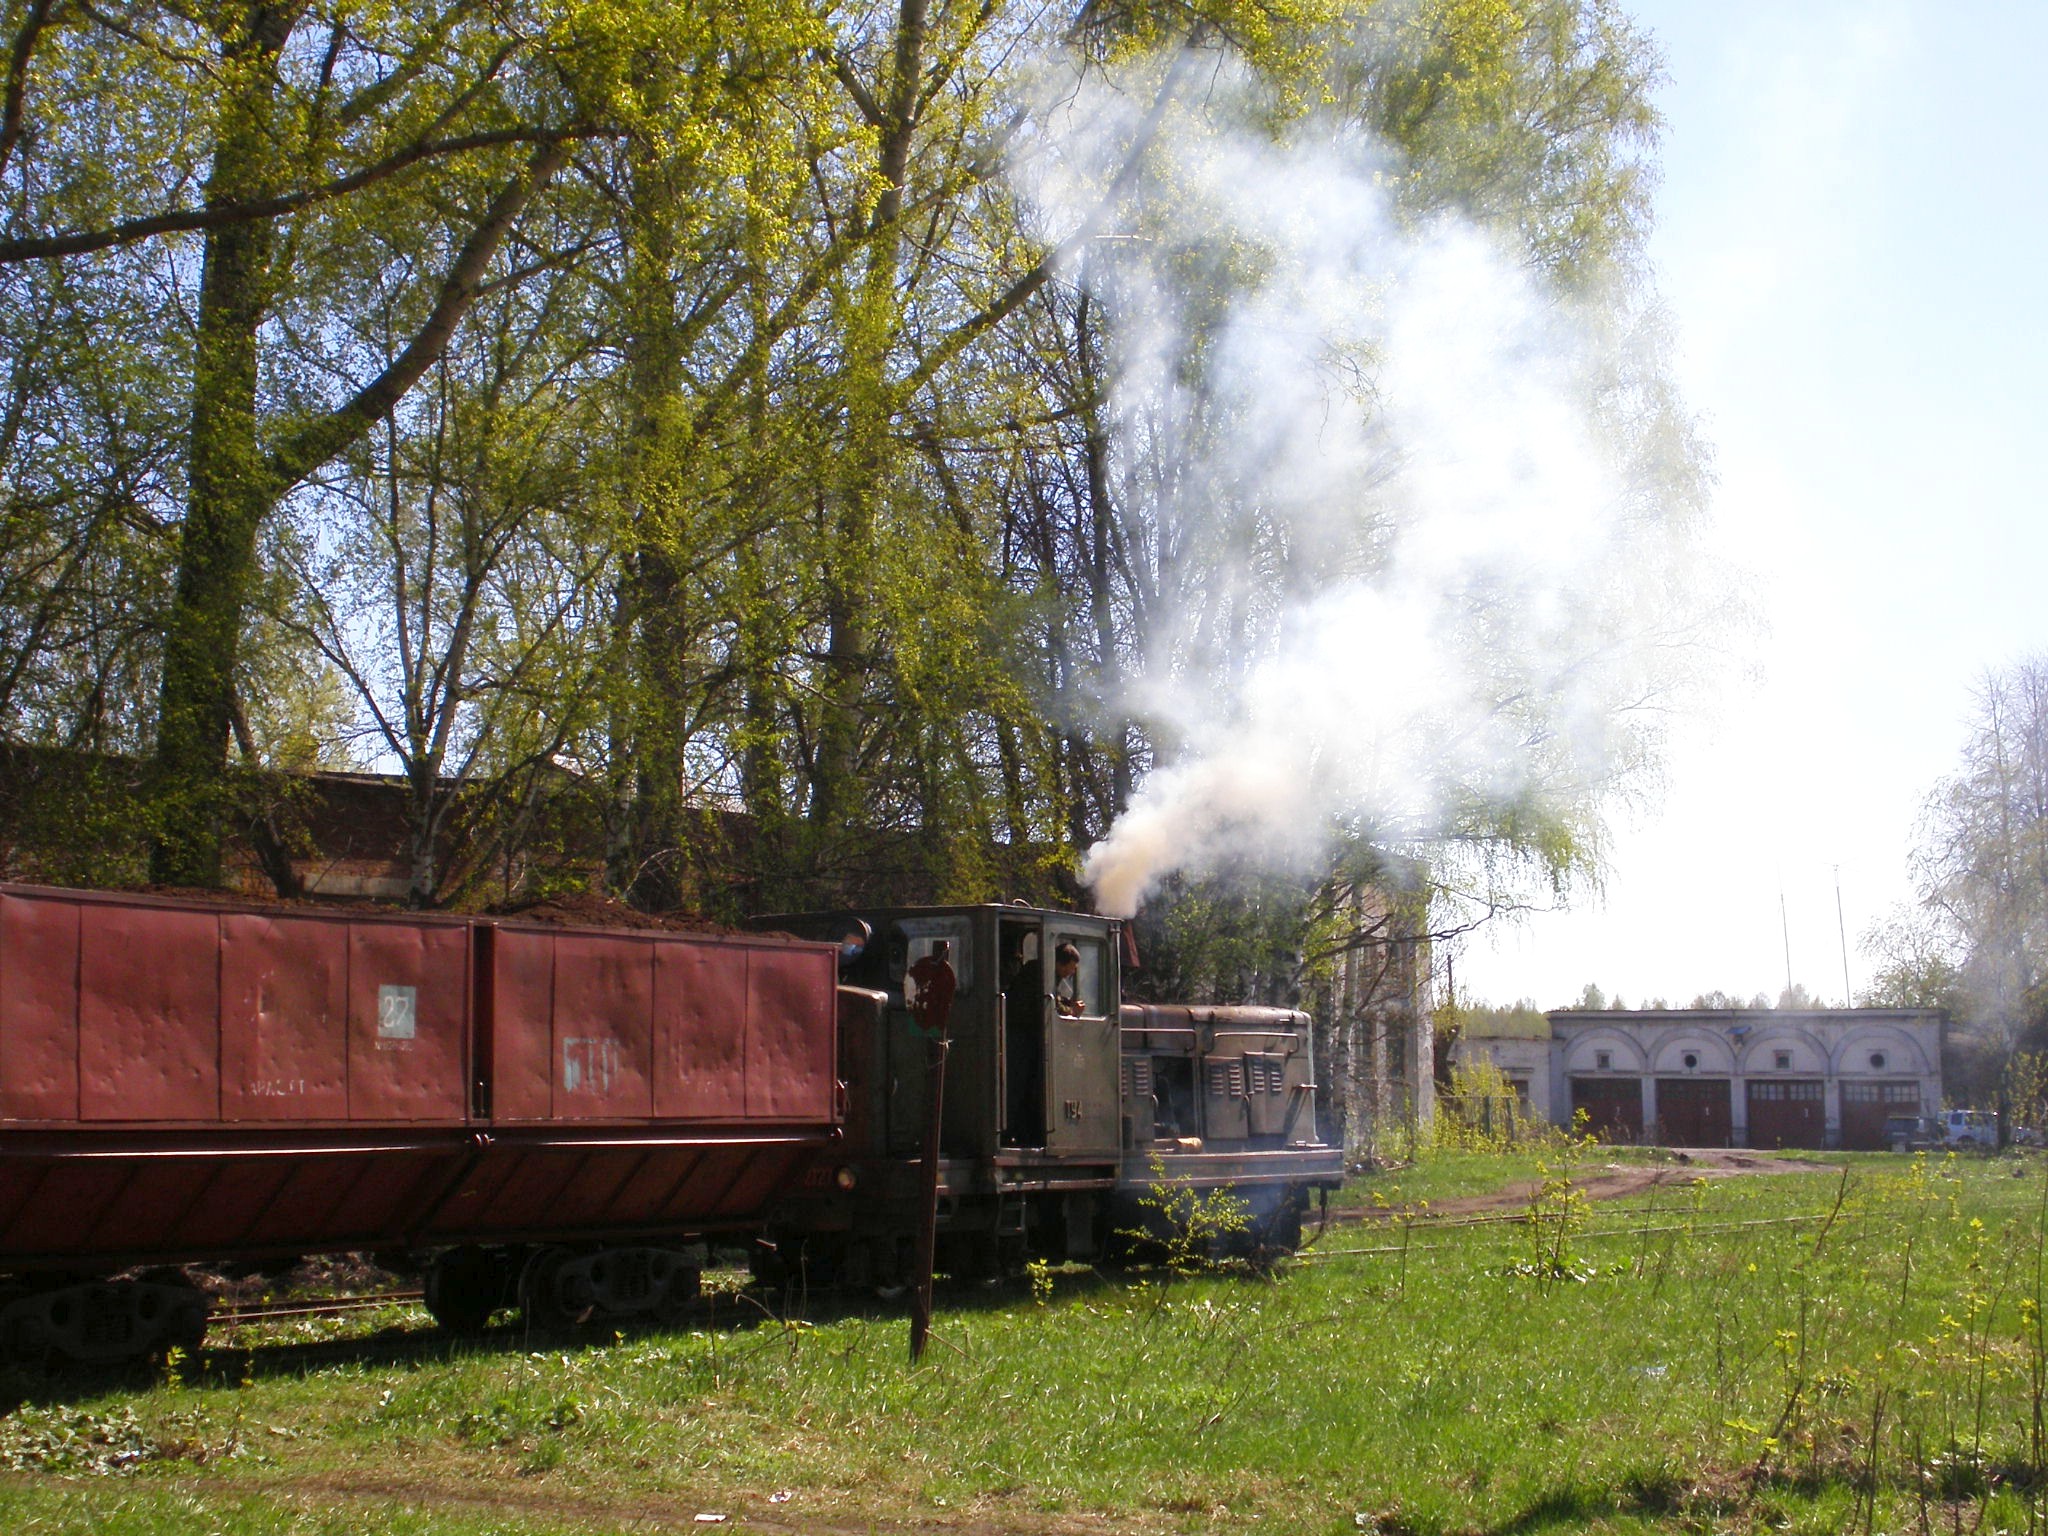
603,1028
148,1013
571,1028
792,1022
700,1008
38,1009
631,1028
408,1011
522,992
284,999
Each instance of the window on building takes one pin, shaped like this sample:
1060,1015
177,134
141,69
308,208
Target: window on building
1397,1052
1692,1059
1782,1060
1603,1061
1877,1061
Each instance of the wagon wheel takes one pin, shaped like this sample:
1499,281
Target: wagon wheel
464,1287
24,1340
678,1293
545,1293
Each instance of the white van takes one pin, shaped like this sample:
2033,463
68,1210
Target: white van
1969,1127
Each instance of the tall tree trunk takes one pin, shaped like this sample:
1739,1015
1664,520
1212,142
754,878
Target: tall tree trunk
870,409
656,599
236,477
230,490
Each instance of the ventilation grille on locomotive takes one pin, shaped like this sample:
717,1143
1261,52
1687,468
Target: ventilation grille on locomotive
1226,1078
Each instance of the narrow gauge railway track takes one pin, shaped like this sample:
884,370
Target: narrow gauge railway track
1508,1216
337,1306
1315,1254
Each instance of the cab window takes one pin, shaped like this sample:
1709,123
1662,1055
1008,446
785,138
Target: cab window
1090,986
917,937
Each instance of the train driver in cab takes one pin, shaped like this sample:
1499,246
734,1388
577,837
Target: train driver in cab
1066,985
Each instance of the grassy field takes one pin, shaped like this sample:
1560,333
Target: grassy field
1853,1350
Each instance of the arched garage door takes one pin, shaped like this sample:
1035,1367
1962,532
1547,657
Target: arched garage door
1613,1106
1867,1105
1788,1113
1694,1111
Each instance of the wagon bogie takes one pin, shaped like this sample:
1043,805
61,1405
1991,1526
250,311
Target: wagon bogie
561,1289
96,1321
467,1285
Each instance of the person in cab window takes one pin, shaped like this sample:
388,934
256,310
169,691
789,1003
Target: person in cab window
934,984
1066,985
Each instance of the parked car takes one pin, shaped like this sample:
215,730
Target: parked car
1970,1128
1912,1133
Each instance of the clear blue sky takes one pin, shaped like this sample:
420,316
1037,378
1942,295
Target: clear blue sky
1851,237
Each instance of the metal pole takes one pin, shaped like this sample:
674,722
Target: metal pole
938,1007
1842,928
1785,922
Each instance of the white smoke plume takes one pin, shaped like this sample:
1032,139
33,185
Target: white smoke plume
1400,570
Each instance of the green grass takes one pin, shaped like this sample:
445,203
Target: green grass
1712,1360
1440,1176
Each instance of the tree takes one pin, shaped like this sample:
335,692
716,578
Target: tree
705,396
1980,942
325,189
1914,955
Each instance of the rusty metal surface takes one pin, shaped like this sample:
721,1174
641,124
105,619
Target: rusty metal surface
792,1006
68,1201
603,1028
283,1018
589,1027
408,1009
186,1080
700,1003
563,1189
135,1205
148,1013
38,1008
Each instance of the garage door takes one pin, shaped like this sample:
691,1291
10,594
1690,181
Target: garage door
1613,1106
1694,1111
1866,1107
1787,1114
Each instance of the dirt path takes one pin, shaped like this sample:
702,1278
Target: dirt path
1608,1181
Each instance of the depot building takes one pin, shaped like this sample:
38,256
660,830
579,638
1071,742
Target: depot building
1745,1077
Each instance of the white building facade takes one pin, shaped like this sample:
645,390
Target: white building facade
1820,1078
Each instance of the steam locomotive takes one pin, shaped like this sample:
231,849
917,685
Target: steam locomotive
563,1118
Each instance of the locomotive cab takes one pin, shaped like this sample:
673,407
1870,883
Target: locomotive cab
1031,1073
1062,1107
